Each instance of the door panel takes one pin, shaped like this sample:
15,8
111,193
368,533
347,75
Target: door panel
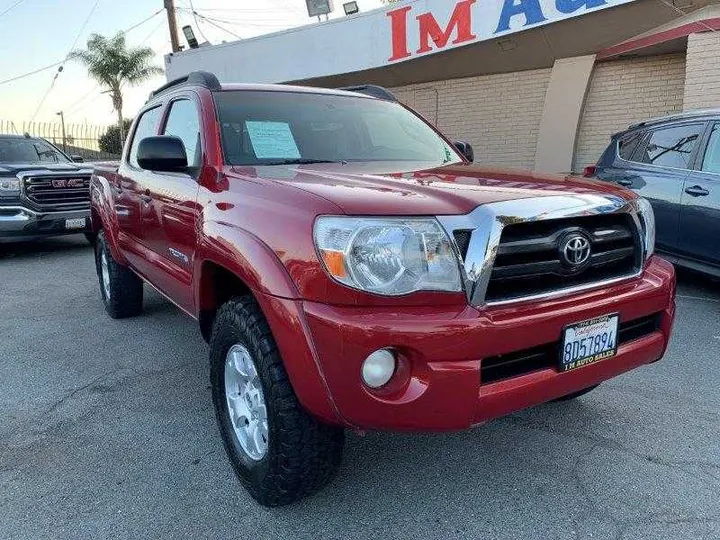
170,212
130,182
700,214
663,188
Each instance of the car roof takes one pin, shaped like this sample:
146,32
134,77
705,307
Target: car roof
9,136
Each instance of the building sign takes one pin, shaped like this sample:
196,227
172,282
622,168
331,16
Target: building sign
373,39
420,28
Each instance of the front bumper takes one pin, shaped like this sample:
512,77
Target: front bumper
442,350
19,224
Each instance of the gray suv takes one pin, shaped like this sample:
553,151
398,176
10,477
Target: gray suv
675,163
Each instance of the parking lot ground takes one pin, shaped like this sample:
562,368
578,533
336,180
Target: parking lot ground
107,431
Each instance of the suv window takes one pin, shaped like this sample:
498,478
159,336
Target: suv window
147,126
628,144
673,146
183,122
711,161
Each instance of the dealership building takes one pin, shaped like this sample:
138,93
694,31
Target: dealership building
539,84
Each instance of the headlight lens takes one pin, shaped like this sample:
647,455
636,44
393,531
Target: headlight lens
647,217
388,256
9,187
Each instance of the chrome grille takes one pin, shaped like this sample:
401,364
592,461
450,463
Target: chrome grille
512,255
529,258
57,192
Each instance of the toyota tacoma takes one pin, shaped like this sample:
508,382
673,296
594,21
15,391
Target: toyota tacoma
352,269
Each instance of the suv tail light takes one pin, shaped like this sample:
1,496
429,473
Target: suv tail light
589,172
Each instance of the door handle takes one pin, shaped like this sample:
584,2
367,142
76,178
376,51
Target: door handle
626,183
697,191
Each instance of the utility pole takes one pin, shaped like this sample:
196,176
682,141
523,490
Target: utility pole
172,25
62,123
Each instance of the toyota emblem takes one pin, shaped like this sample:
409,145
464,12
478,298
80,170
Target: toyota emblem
575,250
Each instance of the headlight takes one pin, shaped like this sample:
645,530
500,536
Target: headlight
388,256
9,187
647,218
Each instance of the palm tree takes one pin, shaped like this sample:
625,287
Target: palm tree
112,64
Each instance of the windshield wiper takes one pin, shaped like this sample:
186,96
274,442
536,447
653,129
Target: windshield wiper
302,161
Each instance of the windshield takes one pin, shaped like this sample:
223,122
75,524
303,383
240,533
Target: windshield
29,151
267,128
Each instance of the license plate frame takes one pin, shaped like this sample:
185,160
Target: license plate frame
587,335
75,224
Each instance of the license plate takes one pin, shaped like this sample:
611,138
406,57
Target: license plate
78,223
589,341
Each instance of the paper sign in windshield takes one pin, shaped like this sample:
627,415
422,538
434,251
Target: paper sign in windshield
272,140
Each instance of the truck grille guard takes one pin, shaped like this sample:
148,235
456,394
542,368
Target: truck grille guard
612,226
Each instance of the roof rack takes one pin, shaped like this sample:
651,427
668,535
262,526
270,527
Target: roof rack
197,78
677,116
371,90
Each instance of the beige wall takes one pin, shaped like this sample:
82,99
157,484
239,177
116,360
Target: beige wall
702,79
626,91
498,114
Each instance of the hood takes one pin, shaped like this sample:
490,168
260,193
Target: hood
11,169
387,189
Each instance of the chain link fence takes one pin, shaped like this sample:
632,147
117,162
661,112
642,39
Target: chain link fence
80,139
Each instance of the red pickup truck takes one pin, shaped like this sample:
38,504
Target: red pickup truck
351,268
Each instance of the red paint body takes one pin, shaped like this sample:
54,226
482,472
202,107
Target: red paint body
256,224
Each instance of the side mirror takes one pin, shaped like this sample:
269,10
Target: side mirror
466,149
77,159
162,154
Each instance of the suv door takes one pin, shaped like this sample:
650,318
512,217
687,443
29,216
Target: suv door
127,189
170,211
657,171
700,213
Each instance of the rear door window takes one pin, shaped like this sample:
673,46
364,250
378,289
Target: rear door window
673,146
711,160
628,144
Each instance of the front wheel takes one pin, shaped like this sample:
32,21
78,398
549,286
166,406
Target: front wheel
278,451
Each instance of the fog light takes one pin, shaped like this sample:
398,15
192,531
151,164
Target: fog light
378,368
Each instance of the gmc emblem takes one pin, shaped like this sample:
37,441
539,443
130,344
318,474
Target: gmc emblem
70,182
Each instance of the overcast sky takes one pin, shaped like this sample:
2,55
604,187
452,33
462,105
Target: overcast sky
36,33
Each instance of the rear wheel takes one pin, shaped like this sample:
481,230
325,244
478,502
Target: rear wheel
574,395
278,451
120,288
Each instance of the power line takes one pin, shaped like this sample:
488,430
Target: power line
71,106
192,8
72,48
8,10
218,26
71,56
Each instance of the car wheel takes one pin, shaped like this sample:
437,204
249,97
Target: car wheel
120,288
576,394
278,451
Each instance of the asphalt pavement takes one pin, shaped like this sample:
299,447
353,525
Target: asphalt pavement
107,431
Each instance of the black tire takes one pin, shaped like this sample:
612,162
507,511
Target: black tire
302,454
91,237
124,295
574,395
